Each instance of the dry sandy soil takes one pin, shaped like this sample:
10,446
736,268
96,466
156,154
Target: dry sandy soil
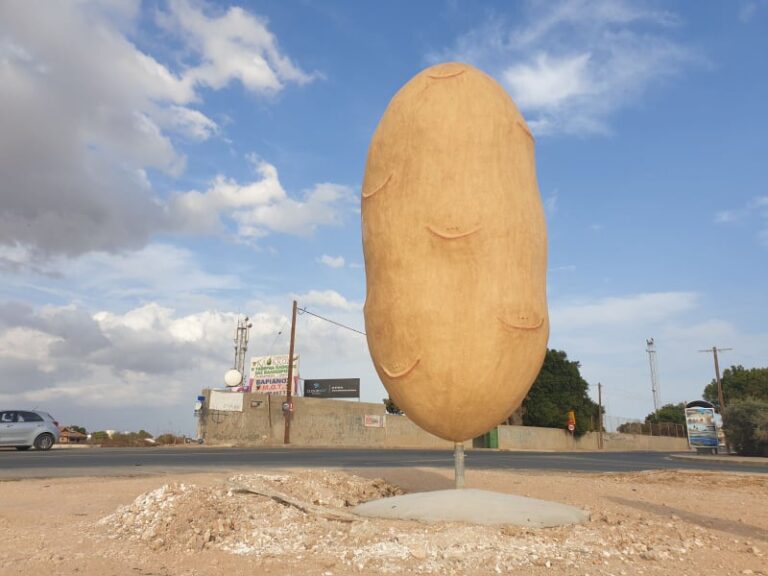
295,522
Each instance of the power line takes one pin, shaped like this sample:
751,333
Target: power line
279,332
339,324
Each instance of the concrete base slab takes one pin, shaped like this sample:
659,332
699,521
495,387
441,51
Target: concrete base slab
474,507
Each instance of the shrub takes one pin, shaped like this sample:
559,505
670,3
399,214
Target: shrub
127,440
169,438
99,436
746,427
391,407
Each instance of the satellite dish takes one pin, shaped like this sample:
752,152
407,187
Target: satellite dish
233,378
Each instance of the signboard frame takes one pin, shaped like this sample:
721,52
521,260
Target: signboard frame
701,427
332,388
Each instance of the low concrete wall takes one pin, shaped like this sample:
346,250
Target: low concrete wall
315,422
319,422
626,442
533,438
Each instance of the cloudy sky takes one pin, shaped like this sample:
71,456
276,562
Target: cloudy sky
168,165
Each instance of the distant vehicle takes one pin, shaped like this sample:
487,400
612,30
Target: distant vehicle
23,429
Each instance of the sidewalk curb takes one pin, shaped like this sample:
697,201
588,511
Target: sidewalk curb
741,460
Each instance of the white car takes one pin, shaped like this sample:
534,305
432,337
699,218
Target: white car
23,429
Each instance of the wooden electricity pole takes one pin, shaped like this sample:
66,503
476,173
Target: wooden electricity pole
289,384
720,396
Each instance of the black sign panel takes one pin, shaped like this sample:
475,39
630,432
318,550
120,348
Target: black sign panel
332,388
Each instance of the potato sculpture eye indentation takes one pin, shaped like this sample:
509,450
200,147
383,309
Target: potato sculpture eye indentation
453,234
378,188
455,250
401,373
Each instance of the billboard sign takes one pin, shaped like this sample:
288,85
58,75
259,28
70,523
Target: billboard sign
702,431
332,388
269,374
226,401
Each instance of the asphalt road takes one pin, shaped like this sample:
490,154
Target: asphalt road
129,461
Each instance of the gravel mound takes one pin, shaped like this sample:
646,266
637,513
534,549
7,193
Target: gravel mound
304,515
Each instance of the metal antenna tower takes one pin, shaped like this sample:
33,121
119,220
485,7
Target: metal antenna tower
651,349
241,343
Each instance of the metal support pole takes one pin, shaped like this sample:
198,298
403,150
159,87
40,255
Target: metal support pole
599,416
458,461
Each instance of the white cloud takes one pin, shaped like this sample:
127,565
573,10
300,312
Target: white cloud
570,65
160,272
726,216
260,207
152,272
623,310
188,122
22,343
608,337
550,204
549,82
749,8
144,367
332,261
80,99
755,209
234,45
327,299
14,255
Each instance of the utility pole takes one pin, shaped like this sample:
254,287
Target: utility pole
720,397
289,384
599,416
651,349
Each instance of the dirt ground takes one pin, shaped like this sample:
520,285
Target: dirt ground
297,522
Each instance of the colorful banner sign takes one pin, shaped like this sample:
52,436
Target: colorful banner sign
702,431
269,374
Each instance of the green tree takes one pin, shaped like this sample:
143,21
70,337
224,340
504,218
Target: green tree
557,389
739,383
674,413
391,407
746,426
80,429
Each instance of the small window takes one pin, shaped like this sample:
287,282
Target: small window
29,417
7,416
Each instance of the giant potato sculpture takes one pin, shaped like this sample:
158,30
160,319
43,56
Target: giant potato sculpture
455,253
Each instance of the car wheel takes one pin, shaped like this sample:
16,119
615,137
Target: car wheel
44,442
23,447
